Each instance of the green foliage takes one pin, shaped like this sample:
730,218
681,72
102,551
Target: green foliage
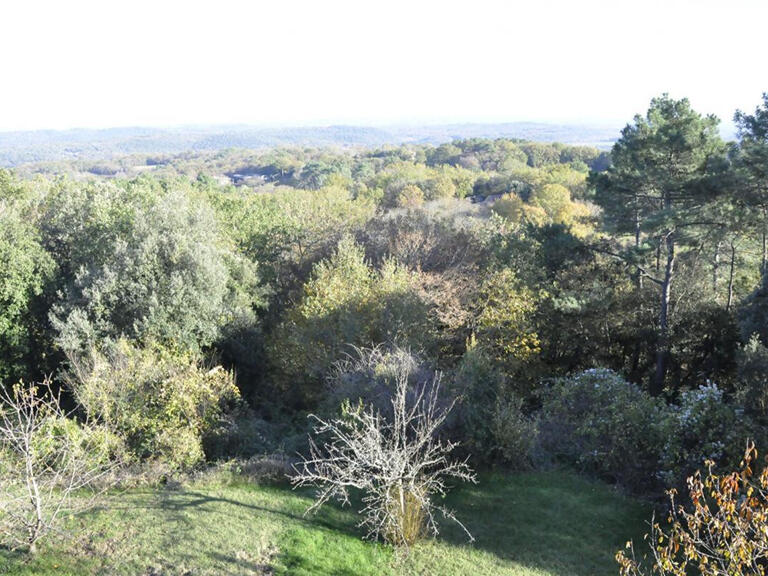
347,302
604,425
721,531
24,269
753,315
663,179
701,427
491,424
248,257
143,263
288,231
752,382
160,404
505,326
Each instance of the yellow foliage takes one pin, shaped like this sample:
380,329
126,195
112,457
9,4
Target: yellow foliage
505,321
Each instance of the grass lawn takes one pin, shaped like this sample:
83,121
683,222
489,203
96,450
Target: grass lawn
532,524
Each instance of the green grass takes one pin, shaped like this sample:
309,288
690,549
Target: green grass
533,524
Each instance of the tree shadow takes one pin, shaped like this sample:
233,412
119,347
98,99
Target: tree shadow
174,507
552,521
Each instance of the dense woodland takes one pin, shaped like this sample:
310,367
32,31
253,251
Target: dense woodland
606,311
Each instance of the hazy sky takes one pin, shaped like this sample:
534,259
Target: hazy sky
116,63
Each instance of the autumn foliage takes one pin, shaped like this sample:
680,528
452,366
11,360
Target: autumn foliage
723,532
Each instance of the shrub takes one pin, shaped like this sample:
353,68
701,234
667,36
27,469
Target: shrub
144,263
398,462
723,533
505,322
604,425
702,426
347,302
513,433
752,383
161,404
241,435
753,315
370,376
490,417
24,268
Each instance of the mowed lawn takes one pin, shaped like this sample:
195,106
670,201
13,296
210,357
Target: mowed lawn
531,524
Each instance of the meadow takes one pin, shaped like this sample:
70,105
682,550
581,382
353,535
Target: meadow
527,524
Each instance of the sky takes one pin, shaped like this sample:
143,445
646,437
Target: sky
108,63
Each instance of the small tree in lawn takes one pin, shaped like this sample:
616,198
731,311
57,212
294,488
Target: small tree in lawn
45,457
397,461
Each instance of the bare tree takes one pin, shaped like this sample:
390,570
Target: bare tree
398,463
45,458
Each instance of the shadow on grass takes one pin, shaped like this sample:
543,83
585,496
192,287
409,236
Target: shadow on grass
174,501
183,511
552,521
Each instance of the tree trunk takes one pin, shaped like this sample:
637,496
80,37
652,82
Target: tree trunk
730,278
662,349
637,244
764,261
716,269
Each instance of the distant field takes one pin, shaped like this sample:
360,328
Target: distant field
533,524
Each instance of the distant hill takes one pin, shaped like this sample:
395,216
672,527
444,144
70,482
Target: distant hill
81,144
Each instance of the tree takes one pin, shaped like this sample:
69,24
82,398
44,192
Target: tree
348,302
288,231
145,263
555,200
24,269
752,168
45,457
657,189
398,462
161,405
504,322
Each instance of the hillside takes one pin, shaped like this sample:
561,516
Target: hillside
82,144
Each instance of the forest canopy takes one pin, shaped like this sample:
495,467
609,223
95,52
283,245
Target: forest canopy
607,311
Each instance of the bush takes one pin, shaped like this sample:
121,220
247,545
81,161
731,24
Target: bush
753,315
145,263
160,404
491,423
506,330
370,376
722,533
513,433
396,460
347,302
701,427
24,269
243,435
604,425
752,383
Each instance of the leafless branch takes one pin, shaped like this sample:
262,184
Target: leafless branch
45,459
399,463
